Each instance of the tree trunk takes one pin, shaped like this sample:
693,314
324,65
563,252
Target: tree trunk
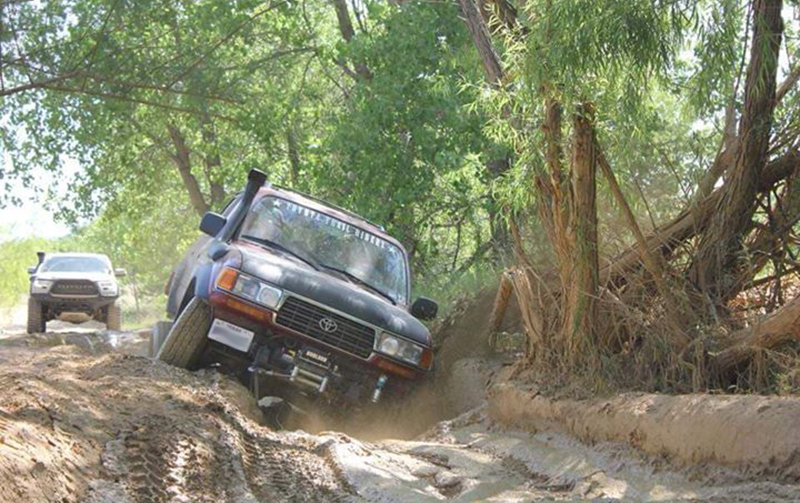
781,326
483,43
211,163
347,31
184,164
294,157
581,292
343,16
499,308
501,239
505,12
721,245
553,206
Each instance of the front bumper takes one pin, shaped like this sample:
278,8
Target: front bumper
57,304
262,322
306,364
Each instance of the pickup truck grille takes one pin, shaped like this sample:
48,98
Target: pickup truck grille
74,287
304,317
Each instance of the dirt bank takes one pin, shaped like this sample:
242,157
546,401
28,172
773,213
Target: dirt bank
755,435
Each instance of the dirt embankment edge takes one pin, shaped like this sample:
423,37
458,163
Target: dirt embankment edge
756,435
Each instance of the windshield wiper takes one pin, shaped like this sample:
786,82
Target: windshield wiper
278,246
360,281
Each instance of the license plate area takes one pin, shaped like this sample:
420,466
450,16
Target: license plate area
231,335
317,358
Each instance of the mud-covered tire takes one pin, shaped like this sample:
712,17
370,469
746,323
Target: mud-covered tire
36,322
114,317
187,340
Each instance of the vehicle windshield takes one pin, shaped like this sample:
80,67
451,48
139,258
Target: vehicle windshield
75,264
331,243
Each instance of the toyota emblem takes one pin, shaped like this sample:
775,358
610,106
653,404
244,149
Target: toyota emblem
328,325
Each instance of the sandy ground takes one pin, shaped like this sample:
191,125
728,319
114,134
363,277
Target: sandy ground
83,417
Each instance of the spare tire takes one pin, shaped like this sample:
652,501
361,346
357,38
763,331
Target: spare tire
187,340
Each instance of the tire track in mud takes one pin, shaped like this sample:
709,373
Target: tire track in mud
218,455
282,466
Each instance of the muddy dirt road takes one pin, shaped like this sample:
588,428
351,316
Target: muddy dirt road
83,418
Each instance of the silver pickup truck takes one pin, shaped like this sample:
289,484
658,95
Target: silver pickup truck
74,287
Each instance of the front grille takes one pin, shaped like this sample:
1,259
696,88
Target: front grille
304,317
74,287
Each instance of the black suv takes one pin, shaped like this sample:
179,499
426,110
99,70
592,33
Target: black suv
301,298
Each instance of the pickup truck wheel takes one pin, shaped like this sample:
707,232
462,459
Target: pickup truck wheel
36,323
187,341
114,317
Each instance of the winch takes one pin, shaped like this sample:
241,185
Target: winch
311,369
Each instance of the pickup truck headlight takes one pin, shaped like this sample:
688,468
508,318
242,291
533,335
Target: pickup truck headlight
249,288
41,286
399,348
108,288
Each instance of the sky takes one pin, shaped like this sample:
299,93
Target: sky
32,218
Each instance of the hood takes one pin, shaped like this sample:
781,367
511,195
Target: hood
298,277
92,276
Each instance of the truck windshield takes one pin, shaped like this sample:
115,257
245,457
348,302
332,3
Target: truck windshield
75,264
331,243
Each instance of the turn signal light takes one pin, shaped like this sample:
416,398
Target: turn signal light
395,368
427,359
227,279
221,299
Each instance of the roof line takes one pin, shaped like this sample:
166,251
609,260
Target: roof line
327,203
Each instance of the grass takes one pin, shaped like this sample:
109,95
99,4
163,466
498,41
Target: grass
149,310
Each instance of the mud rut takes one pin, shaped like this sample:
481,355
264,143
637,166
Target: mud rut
80,421
163,459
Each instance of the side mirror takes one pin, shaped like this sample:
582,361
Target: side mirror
212,223
119,272
31,270
424,308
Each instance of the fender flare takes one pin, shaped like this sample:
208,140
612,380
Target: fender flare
205,272
203,280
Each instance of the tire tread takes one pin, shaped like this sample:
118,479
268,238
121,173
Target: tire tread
186,340
114,317
36,322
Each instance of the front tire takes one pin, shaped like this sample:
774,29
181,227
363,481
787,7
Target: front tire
114,317
187,340
36,322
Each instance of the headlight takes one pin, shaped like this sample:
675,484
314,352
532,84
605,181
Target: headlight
249,288
399,348
108,288
41,286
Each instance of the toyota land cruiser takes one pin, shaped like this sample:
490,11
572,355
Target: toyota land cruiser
301,298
